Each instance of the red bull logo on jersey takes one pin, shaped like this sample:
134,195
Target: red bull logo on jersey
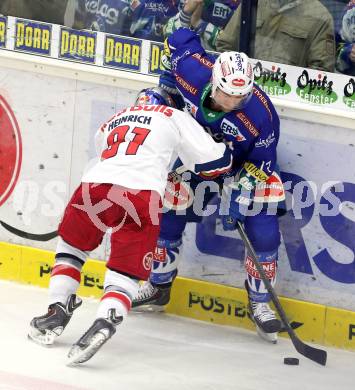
10,151
167,111
147,261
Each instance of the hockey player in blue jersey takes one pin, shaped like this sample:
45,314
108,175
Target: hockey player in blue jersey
207,17
148,17
222,96
110,16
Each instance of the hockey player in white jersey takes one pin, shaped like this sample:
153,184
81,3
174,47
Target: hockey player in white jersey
123,191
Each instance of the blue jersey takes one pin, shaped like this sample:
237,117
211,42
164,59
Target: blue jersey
150,16
218,12
110,16
252,132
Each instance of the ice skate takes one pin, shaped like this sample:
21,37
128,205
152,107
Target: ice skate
267,325
151,297
45,329
94,338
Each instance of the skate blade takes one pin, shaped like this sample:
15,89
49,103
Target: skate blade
149,309
269,337
45,339
78,355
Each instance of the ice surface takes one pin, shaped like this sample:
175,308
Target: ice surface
154,351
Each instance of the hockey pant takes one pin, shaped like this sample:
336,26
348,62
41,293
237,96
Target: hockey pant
82,229
262,229
186,197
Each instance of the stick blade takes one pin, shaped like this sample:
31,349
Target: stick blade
29,236
317,355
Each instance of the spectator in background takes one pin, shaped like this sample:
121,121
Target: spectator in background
294,32
207,17
110,16
336,9
346,42
150,16
51,11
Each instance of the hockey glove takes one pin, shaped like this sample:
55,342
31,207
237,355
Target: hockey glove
167,82
240,199
166,57
238,207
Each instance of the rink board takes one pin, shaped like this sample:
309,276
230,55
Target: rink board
195,299
55,143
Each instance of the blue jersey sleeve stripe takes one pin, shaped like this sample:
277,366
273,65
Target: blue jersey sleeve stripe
222,164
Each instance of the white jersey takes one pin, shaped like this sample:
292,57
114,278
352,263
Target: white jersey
137,144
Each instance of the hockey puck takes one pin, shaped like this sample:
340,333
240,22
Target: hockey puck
291,361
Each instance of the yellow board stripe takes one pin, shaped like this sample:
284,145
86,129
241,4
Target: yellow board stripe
200,300
228,306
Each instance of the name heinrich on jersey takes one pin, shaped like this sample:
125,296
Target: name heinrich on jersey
142,119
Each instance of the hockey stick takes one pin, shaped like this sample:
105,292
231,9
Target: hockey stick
317,355
29,236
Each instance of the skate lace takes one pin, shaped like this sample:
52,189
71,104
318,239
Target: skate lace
145,291
263,312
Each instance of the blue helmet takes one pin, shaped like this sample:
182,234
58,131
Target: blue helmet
155,95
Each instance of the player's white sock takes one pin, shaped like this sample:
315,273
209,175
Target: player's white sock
114,300
65,275
119,290
65,280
